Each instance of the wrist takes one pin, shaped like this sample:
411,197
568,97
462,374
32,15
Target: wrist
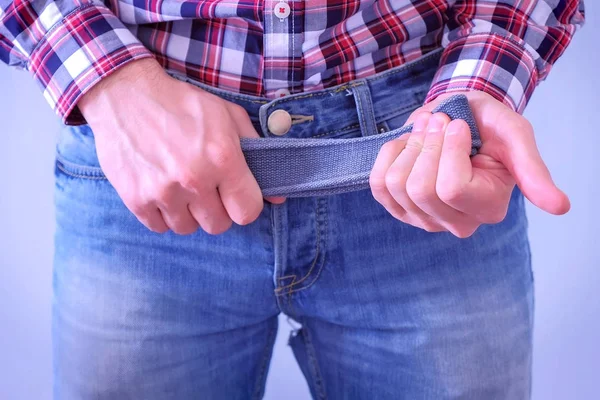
132,79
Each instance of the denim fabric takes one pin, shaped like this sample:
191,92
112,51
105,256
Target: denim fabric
385,310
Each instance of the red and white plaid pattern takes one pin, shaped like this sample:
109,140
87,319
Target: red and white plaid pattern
269,47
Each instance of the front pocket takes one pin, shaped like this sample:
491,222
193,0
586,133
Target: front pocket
78,171
76,153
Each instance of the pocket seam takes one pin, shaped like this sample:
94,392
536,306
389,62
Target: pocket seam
79,171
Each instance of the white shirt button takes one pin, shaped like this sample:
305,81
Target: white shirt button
282,93
282,10
279,122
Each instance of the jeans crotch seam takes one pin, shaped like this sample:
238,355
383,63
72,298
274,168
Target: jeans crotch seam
314,364
313,367
321,238
260,381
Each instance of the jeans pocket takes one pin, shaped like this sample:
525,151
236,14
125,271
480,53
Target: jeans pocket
76,153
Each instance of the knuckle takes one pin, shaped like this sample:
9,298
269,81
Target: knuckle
431,228
377,184
187,179
414,146
233,108
162,194
138,207
247,215
463,232
392,146
394,180
496,216
523,125
217,227
450,193
158,229
219,155
419,192
184,229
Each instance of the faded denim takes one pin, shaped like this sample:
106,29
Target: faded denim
388,311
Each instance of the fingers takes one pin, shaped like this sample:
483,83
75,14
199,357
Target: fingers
398,174
153,220
525,163
455,168
210,213
275,200
455,186
240,193
428,175
246,129
175,212
409,175
386,157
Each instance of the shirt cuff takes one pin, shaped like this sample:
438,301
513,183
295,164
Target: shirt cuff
489,63
87,45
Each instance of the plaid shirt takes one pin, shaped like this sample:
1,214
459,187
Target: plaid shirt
271,48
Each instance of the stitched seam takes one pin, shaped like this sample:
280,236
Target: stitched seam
341,88
312,267
361,117
92,170
291,290
396,113
351,85
90,177
348,128
378,120
259,384
213,90
320,237
280,262
369,107
310,351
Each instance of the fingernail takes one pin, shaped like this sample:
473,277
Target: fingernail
436,124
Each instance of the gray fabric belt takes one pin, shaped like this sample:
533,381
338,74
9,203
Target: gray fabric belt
318,167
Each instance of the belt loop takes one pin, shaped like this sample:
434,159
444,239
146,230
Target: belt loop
364,108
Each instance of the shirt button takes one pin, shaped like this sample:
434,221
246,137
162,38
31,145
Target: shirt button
279,122
282,93
282,10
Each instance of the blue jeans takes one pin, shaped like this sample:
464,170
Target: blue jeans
387,311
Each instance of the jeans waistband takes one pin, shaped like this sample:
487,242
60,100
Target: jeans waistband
310,159
357,107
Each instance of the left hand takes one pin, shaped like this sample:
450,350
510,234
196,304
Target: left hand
427,178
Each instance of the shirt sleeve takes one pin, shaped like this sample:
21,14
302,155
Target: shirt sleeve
504,48
68,46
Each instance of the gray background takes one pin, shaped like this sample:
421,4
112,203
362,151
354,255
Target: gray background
564,112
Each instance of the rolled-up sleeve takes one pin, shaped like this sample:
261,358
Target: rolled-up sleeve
67,45
504,48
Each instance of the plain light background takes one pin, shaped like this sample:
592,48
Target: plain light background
564,111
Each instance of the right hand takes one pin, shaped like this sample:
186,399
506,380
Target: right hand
172,150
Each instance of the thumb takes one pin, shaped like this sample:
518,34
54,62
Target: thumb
246,130
522,158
